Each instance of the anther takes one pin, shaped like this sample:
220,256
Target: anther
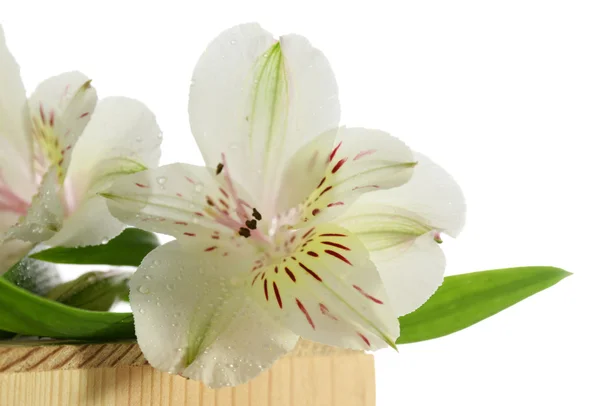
219,168
244,232
256,214
251,224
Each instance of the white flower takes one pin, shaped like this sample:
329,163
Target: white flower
56,153
273,237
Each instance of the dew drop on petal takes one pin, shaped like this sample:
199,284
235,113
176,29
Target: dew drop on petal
143,290
232,42
170,286
161,180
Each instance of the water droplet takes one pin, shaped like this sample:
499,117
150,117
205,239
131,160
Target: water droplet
142,311
198,188
138,139
170,286
179,349
161,180
156,262
232,42
143,290
148,277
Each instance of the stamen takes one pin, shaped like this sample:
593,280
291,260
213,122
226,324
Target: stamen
219,168
244,232
251,224
256,214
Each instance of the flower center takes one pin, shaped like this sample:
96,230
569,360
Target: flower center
47,148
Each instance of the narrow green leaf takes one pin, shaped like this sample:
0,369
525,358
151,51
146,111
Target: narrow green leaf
28,314
34,276
128,248
96,290
466,299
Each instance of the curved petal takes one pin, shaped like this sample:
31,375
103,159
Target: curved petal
192,318
90,224
11,252
257,100
16,167
327,290
360,162
122,136
411,272
179,200
404,250
432,197
44,216
60,108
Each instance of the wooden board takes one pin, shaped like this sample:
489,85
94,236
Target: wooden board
114,374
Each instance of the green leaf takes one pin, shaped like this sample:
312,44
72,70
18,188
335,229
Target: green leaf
28,314
33,275
128,248
466,299
94,290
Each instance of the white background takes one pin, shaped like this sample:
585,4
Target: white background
504,94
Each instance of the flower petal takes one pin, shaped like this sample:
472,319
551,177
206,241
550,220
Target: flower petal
192,318
122,137
90,224
16,167
179,200
360,162
45,215
256,101
400,227
409,260
11,252
60,109
432,196
327,290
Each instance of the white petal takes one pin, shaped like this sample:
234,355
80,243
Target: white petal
16,167
121,138
411,272
45,215
179,200
432,196
361,161
11,252
192,318
90,224
60,109
256,101
403,249
327,290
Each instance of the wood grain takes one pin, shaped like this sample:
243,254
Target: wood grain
337,379
29,358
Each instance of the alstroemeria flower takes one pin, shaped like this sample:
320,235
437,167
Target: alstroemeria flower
273,236
57,150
